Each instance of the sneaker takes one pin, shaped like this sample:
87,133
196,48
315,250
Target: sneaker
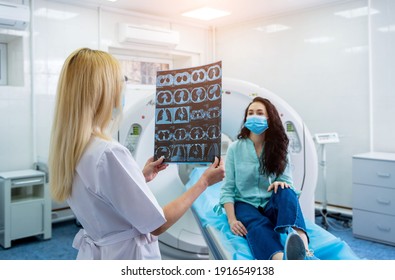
310,255
294,247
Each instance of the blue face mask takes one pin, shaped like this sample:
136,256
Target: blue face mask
116,111
123,100
256,124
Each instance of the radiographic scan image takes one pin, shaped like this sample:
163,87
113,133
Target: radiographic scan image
188,114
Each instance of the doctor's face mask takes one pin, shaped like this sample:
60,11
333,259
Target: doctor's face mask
116,111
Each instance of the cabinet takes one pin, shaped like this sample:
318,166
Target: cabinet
25,206
373,196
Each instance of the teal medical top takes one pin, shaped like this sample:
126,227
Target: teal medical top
243,181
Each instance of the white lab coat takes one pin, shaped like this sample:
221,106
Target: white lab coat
115,206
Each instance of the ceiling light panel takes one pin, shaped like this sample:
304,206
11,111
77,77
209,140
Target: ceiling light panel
206,13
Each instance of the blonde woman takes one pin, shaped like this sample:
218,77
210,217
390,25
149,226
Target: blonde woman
97,176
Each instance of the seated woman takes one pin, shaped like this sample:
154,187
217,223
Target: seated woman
223,244
258,196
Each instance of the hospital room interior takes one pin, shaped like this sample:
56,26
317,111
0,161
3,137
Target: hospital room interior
327,65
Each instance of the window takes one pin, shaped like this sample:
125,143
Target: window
142,71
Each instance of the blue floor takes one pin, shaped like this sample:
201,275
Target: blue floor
59,246
364,249
34,248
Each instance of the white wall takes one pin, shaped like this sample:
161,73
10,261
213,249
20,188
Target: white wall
16,143
24,139
319,65
383,75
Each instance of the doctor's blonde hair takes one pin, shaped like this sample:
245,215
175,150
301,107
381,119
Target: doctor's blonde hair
89,90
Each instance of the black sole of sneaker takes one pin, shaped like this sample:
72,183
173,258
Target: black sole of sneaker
294,247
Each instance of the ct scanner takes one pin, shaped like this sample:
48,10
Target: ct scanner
185,240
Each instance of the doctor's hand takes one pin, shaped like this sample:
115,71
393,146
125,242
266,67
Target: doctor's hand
275,185
238,228
152,168
214,173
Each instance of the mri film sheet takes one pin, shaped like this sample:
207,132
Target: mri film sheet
188,114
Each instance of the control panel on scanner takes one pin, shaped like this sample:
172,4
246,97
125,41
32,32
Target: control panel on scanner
294,141
132,138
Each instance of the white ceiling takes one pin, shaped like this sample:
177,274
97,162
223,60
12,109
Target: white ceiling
241,10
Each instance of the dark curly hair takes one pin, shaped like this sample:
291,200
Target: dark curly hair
274,158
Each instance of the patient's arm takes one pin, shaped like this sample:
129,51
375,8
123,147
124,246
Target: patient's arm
236,226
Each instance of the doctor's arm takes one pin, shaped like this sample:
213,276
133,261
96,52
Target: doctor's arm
152,168
177,208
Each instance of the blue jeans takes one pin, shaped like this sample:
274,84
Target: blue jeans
264,225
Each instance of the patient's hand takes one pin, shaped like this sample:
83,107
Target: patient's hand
238,228
275,185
